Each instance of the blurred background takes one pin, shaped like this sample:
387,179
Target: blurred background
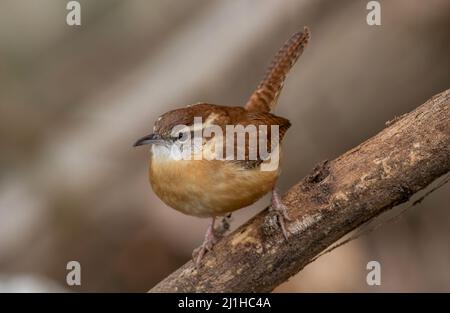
73,99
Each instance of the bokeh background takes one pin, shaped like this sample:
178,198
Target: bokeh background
73,99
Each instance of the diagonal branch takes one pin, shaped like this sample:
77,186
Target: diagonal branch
334,199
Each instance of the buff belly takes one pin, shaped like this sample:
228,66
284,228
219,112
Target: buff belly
208,188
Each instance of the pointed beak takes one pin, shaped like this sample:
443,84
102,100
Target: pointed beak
148,140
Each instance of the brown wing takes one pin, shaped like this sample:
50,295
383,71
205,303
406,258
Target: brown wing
264,123
265,96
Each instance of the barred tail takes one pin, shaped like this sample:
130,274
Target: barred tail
265,97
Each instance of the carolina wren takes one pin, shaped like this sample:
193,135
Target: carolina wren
206,187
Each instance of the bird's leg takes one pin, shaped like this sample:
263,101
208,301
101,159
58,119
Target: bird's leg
208,243
280,210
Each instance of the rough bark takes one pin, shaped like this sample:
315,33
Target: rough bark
337,197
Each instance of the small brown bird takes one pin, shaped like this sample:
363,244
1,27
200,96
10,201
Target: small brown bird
204,186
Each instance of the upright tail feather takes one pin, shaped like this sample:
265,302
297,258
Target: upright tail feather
265,97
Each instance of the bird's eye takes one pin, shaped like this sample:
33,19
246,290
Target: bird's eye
181,137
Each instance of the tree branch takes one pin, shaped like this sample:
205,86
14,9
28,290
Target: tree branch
334,199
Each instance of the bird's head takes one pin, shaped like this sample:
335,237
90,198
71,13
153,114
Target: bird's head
175,127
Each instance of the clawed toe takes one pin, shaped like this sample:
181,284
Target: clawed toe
282,216
281,212
211,237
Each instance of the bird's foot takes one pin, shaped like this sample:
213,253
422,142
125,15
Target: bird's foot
212,235
207,245
280,210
